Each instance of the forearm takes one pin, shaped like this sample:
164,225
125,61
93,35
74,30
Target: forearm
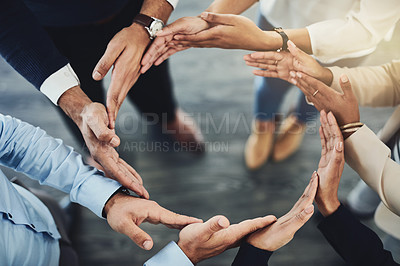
354,242
73,102
160,9
355,35
30,150
230,6
25,45
370,158
373,86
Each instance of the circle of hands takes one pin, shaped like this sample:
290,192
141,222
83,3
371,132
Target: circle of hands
201,240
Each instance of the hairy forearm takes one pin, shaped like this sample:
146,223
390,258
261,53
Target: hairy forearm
160,9
73,102
230,6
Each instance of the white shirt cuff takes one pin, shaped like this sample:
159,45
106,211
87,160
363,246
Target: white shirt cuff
59,82
170,255
173,3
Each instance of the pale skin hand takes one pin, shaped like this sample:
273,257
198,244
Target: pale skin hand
126,213
284,64
159,50
282,231
209,239
125,52
344,105
331,164
92,120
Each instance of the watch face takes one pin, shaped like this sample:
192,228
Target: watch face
155,27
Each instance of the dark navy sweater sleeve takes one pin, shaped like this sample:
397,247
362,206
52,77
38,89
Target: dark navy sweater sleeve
250,255
25,45
355,243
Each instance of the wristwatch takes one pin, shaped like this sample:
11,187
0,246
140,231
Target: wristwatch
152,25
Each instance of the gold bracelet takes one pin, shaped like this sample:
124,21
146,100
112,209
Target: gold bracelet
356,124
350,130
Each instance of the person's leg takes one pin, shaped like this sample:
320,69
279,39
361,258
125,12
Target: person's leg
268,98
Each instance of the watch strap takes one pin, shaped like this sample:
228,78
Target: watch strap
143,20
285,38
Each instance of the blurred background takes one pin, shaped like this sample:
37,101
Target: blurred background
216,88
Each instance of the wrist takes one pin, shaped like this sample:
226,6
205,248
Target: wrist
122,192
191,255
143,36
73,102
329,206
325,76
272,41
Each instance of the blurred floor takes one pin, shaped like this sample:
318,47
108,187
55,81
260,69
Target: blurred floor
216,87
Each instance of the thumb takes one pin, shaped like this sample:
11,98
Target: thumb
295,51
217,18
345,85
137,235
216,224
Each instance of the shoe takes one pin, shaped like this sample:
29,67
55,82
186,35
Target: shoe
290,136
184,130
259,144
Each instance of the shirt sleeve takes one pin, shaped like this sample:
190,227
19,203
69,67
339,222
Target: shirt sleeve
170,255
374,86
27,47
173,3
250,255
30,150
370,158
59,82
353,241
357,34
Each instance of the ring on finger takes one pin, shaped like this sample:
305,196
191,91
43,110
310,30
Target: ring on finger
315,93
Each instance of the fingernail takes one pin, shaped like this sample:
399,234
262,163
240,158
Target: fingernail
204,15
114,141
314,175
97,75
309,209
293,81
299,74
339,146
292,74
290,43
344,78
147,245
221,222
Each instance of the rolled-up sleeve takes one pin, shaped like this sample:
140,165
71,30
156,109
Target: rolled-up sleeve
355,35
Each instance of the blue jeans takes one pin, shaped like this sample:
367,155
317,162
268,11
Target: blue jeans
270,93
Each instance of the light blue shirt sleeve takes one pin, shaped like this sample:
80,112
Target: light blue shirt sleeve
30,150
170,255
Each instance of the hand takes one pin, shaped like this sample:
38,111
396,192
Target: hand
94,128
283,64
331,164
344,105
124,52
228,32
202,241
125,214
282,232
92,120
159,50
